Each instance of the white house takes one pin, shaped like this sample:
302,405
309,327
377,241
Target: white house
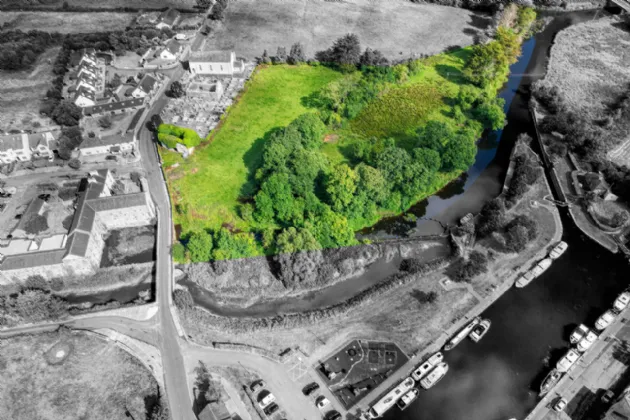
24,147
171,50
215,62
84,97
146,87
107,145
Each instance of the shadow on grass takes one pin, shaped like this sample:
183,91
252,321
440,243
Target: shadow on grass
252,160
479,21
450,73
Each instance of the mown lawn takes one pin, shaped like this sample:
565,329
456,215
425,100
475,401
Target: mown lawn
206,187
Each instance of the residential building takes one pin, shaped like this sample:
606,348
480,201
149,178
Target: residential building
115,144
171,50
115,107
215,62
147,86
168,18
84,97
620,410
215,410
79,252
24,147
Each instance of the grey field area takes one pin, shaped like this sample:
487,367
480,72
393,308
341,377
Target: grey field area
397,28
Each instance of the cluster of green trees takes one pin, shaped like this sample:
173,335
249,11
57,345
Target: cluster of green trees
207,245
19,50
169,135
31,305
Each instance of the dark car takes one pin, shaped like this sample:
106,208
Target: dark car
310,388
273,407
333,415
256,385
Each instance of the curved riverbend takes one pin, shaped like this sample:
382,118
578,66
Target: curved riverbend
498,378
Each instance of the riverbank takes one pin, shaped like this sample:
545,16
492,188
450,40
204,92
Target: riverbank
394,310
587,75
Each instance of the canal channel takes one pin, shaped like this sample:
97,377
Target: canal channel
498,378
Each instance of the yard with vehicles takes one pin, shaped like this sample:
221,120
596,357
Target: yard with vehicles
343,163
52,374
393,27
66,22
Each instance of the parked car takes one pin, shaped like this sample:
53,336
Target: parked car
310,388
560,405
321,401
273,407
608,396
266,400
333,415
256,385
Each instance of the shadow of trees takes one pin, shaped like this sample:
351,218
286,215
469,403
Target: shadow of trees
252,160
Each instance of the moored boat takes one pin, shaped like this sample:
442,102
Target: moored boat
622,301
425,367
390,399
604,320
434,376
587,341
578,333
567,361
558,250
480,330
550,381
528,277
408,398
450,344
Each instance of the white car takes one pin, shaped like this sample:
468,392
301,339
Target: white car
622,302
605,320
266,400
560,405
322,402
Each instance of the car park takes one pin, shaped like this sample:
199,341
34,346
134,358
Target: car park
310,388
321,401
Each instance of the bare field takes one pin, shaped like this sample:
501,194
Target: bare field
590,64
66,22
21,94
107,4
398,28
84,377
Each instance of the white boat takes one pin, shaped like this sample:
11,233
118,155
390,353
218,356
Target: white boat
429,364
567,361
434,376
622,301
558,250
480,330
605,320
586,342
408,398
388,401
550,381
578,333
540,268
462,334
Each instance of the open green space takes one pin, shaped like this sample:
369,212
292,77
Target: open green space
310,154
206,187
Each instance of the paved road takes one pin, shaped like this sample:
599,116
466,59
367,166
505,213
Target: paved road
172,359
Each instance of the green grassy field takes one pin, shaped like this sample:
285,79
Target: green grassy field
206,187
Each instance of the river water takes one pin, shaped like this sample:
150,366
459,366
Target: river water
498,378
